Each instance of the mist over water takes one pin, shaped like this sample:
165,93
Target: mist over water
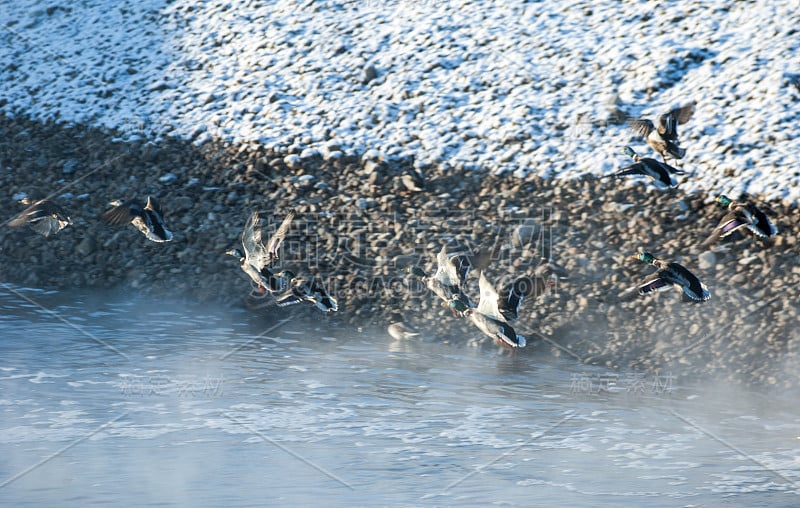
105,399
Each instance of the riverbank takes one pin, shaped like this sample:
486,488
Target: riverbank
362,220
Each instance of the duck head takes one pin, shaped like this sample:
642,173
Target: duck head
458,308
416,271
644,257
235,253
630,152
723,200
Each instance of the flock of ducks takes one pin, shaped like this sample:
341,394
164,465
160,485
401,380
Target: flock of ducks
284,288
47,218
494,311
741,216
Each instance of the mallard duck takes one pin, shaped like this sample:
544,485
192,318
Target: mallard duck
257,257
43,216
664,137
301,290
488,318
741,215
659,172
672,275
148,219
448,281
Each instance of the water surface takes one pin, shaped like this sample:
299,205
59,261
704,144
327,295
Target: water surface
108,399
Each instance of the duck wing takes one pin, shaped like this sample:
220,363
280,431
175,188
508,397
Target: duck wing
668,122
290,297
446,272
684,113
731,222
153,219
633,169
314,292
275,241
651,168
462,264
153,227
254,251
512,295
688,281
123,213
671,169
154,206
45,217
659,172
761,225
488,304
642,127
655,285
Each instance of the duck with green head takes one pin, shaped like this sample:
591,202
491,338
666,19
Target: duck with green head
671,275
660,172
741,216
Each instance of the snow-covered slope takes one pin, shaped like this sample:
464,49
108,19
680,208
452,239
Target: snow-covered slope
502,86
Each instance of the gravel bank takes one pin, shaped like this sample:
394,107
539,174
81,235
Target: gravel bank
359,225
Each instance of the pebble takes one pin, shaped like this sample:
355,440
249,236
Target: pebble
70,166
293,161
168,178
707,260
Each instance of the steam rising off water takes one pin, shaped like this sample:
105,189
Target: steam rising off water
126,401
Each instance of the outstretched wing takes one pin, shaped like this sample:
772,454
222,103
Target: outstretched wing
654,286
122,214
254,251
154,205
446,272
633,169
288,298
684,113
488,302
511,297
37,212
275,241
463,265
321,295
642,127
730,222
668,122
761,225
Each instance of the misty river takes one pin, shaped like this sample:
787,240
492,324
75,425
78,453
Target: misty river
111,399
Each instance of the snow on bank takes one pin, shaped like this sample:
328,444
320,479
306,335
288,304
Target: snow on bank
505,86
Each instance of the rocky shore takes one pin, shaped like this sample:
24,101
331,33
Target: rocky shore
362,221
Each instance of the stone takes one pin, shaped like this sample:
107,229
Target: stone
370,73
707,260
